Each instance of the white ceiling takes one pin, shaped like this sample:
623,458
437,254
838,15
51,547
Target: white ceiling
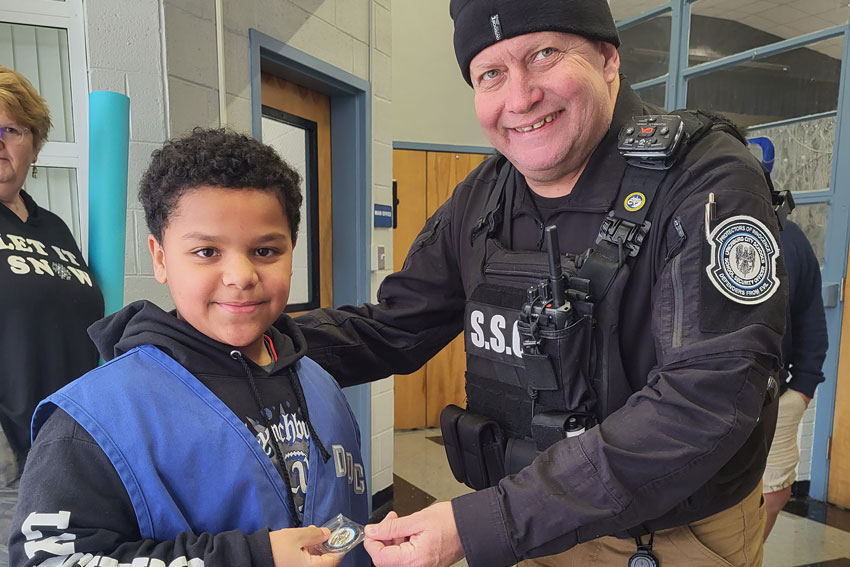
783,18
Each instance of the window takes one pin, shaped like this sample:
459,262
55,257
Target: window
645,49
44,41
791,84
295,140
725,27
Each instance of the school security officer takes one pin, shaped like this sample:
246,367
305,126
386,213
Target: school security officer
619,366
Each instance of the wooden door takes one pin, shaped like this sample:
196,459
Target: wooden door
425,180
445,372
838,490
314,107
409,173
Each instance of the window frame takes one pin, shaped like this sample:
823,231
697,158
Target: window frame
838,201
67,15
311,198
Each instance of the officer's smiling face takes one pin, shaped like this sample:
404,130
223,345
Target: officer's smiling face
545,100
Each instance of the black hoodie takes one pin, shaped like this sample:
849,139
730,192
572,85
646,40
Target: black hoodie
48,297
68,470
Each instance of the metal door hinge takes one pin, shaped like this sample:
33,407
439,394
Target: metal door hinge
829,448
843,287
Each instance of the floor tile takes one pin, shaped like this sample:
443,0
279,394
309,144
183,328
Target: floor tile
407,498
820,512
797,541
422,463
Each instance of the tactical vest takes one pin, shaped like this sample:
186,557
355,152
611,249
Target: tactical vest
541,328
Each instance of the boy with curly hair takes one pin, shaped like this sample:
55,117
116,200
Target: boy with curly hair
208,435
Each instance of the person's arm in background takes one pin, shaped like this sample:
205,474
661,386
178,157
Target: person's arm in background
73,509
809,340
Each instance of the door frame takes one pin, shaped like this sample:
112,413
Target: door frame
351,181
837,237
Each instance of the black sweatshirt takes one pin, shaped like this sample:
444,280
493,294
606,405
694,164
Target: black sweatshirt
805,342
48,297
69,472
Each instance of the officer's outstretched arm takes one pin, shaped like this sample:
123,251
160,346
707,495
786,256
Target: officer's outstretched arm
419,311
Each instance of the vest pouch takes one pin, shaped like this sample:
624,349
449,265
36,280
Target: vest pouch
559,371
475,447
518,454
549,427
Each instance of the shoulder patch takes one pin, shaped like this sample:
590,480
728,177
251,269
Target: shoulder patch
743,260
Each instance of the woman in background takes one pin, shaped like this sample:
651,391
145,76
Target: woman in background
47,295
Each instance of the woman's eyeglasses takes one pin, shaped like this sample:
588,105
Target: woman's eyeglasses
13,135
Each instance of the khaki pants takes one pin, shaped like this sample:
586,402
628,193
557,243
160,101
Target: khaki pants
781,471
731,538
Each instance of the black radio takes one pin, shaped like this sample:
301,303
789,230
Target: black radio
547,306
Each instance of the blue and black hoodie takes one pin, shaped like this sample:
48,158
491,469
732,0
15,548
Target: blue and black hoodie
171,452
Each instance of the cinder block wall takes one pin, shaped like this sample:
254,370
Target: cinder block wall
162,53
125,45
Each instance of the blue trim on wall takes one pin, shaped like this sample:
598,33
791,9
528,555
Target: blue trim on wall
427,147
789,121
762,52
680,31
813,197
351,175
835,268
662,80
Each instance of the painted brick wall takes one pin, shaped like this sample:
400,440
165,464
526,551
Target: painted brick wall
382,171
162,53
124,41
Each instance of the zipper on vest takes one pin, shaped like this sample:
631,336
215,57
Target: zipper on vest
677,247
678,301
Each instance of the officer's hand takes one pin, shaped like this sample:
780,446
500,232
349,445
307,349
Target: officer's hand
427,538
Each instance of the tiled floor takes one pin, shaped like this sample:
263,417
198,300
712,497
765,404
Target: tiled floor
799,539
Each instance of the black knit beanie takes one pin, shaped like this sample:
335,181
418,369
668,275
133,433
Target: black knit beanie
481,23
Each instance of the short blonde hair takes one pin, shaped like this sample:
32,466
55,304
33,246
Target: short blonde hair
22,102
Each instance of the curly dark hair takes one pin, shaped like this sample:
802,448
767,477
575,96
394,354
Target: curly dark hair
217,158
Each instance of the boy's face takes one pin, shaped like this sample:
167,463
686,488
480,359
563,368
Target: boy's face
226,256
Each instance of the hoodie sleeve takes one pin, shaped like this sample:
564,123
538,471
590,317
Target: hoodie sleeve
74,506
806,349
